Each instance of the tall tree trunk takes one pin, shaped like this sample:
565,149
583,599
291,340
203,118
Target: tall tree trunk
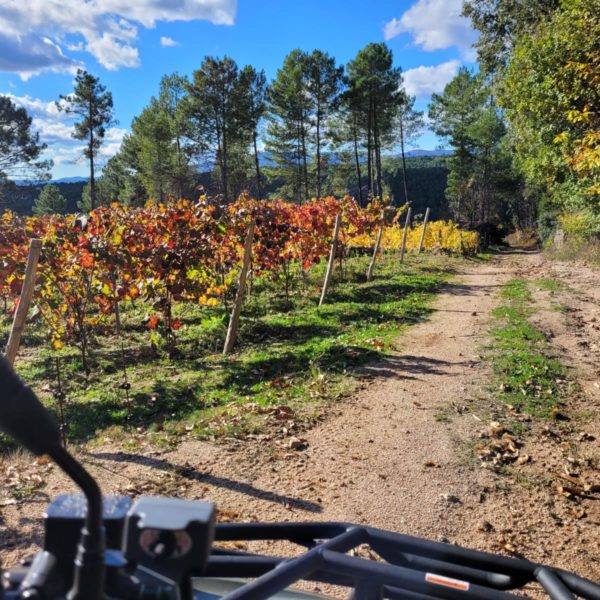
318,151
257,165
179,181
318,142
225,174
224,148
91,151
299,158
377,155
486,186
355,134
403,159
92,179
304,158
369,152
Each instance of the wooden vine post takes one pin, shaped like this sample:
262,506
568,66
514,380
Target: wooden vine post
234,321
406,226
376,248
14,340
336,230
423,232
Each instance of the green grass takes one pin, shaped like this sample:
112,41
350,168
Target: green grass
550,285
528,376
290,352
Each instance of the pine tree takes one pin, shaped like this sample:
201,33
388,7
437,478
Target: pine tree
374,85
303,100
214,103
324,83
288,130
466,117
116,183
50,202
20,148
348,138
408,124
172,101
94,106
156,151
253,86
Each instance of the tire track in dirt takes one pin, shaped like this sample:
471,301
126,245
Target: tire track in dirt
389,456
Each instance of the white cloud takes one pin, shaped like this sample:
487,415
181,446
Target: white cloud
115,134
55,128
65,156
424,81
168,42
435,25
34,32
30,54
38,108
51,132
392,29
112,141
112,53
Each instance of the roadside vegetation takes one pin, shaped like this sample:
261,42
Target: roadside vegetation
529,378
292,354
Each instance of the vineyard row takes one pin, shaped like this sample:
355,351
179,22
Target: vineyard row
183,252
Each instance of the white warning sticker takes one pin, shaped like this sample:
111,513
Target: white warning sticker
455,584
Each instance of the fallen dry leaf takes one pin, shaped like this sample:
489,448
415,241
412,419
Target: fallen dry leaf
296,443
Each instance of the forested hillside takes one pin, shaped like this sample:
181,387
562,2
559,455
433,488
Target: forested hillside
21,198
426,178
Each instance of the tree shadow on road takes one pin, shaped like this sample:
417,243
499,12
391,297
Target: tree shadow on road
207,478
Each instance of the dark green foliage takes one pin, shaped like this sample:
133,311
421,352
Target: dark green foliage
288,130
119,184
372,102
20,148
217,106
171,103
155,160
50,202
500,23
481,183
426,179
408,125
324,82
21,198
254,106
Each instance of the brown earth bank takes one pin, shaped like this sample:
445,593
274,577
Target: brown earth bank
400,453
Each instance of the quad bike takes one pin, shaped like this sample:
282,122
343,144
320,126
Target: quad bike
168,549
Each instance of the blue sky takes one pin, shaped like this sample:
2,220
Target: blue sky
131,44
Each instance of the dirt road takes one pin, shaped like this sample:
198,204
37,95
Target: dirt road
399,454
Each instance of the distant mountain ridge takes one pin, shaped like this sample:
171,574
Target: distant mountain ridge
52,181
263,157
419,152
